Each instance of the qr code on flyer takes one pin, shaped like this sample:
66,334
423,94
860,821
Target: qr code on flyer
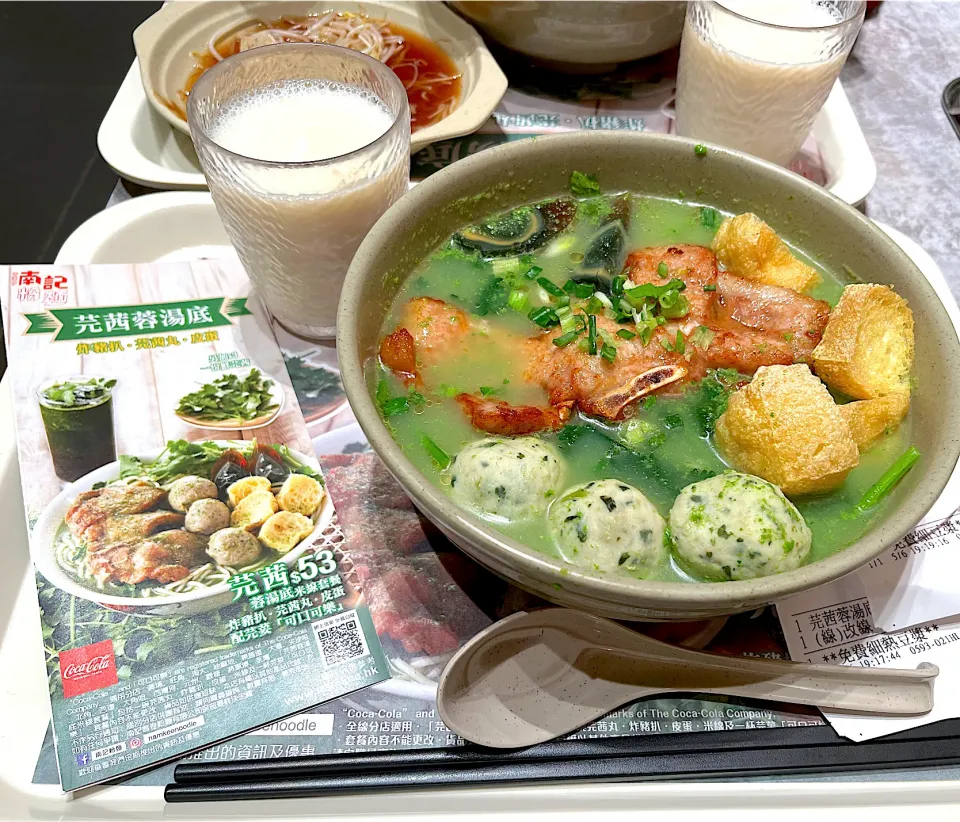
340,638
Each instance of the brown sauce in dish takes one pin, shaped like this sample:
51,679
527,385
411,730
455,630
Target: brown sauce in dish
430,77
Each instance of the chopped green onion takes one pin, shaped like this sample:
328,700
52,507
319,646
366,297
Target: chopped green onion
711,287
702,337
678,305
563,301
626,334
680,345
441,457
608,352
616,285
592,334
549,287
604,299
662,270
700,150
594,306
518,301
581,290
533,272
544,317
890,478
565,339
487,391
649,402
568,321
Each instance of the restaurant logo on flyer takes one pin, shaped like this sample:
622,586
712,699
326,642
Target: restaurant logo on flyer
88,668
30,286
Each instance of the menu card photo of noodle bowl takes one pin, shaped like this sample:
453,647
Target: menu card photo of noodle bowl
61,557
453,83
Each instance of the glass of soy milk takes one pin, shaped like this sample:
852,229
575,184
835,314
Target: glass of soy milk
304,146
753,74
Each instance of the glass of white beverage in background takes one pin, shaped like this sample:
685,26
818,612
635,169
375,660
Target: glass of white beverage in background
304,146
753,74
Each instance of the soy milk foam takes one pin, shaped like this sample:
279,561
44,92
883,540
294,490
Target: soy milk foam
756,88
296,228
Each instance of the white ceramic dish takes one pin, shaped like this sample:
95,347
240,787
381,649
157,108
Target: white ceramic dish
216,596
173,226
166,41
933,792
141,146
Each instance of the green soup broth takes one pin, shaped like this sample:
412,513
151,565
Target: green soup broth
661,449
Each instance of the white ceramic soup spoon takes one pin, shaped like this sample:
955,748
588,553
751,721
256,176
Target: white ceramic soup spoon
536,676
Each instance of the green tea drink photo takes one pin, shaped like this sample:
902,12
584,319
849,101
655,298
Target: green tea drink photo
77,416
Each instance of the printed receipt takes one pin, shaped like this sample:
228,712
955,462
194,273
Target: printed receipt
834,624
915,581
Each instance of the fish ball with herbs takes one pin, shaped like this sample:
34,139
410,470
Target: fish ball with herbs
234,547
513,479
737,526
187,490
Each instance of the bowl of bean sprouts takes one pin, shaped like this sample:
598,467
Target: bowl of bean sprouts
453,83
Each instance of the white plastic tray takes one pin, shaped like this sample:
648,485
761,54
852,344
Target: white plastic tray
25,708
140,146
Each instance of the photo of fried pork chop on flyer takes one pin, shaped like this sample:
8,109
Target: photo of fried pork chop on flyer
180,524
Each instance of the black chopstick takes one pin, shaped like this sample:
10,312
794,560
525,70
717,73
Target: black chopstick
653,765
305,767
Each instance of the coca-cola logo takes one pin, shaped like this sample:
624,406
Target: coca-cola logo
88,668
85,669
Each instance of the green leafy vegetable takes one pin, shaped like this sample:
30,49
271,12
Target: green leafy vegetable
584,185
315,386
494,297
712,396
230,398
594,209
710,217
441,457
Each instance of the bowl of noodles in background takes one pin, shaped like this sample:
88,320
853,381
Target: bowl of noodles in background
453,83
61,557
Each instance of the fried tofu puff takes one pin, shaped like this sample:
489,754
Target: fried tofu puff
254,510
871,419
745,245
867,347
300,494
785,427
239,490
284,530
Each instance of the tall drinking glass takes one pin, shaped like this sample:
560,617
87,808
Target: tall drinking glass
304,146
753,74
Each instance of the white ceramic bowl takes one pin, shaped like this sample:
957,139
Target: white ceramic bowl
48,526
166,41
